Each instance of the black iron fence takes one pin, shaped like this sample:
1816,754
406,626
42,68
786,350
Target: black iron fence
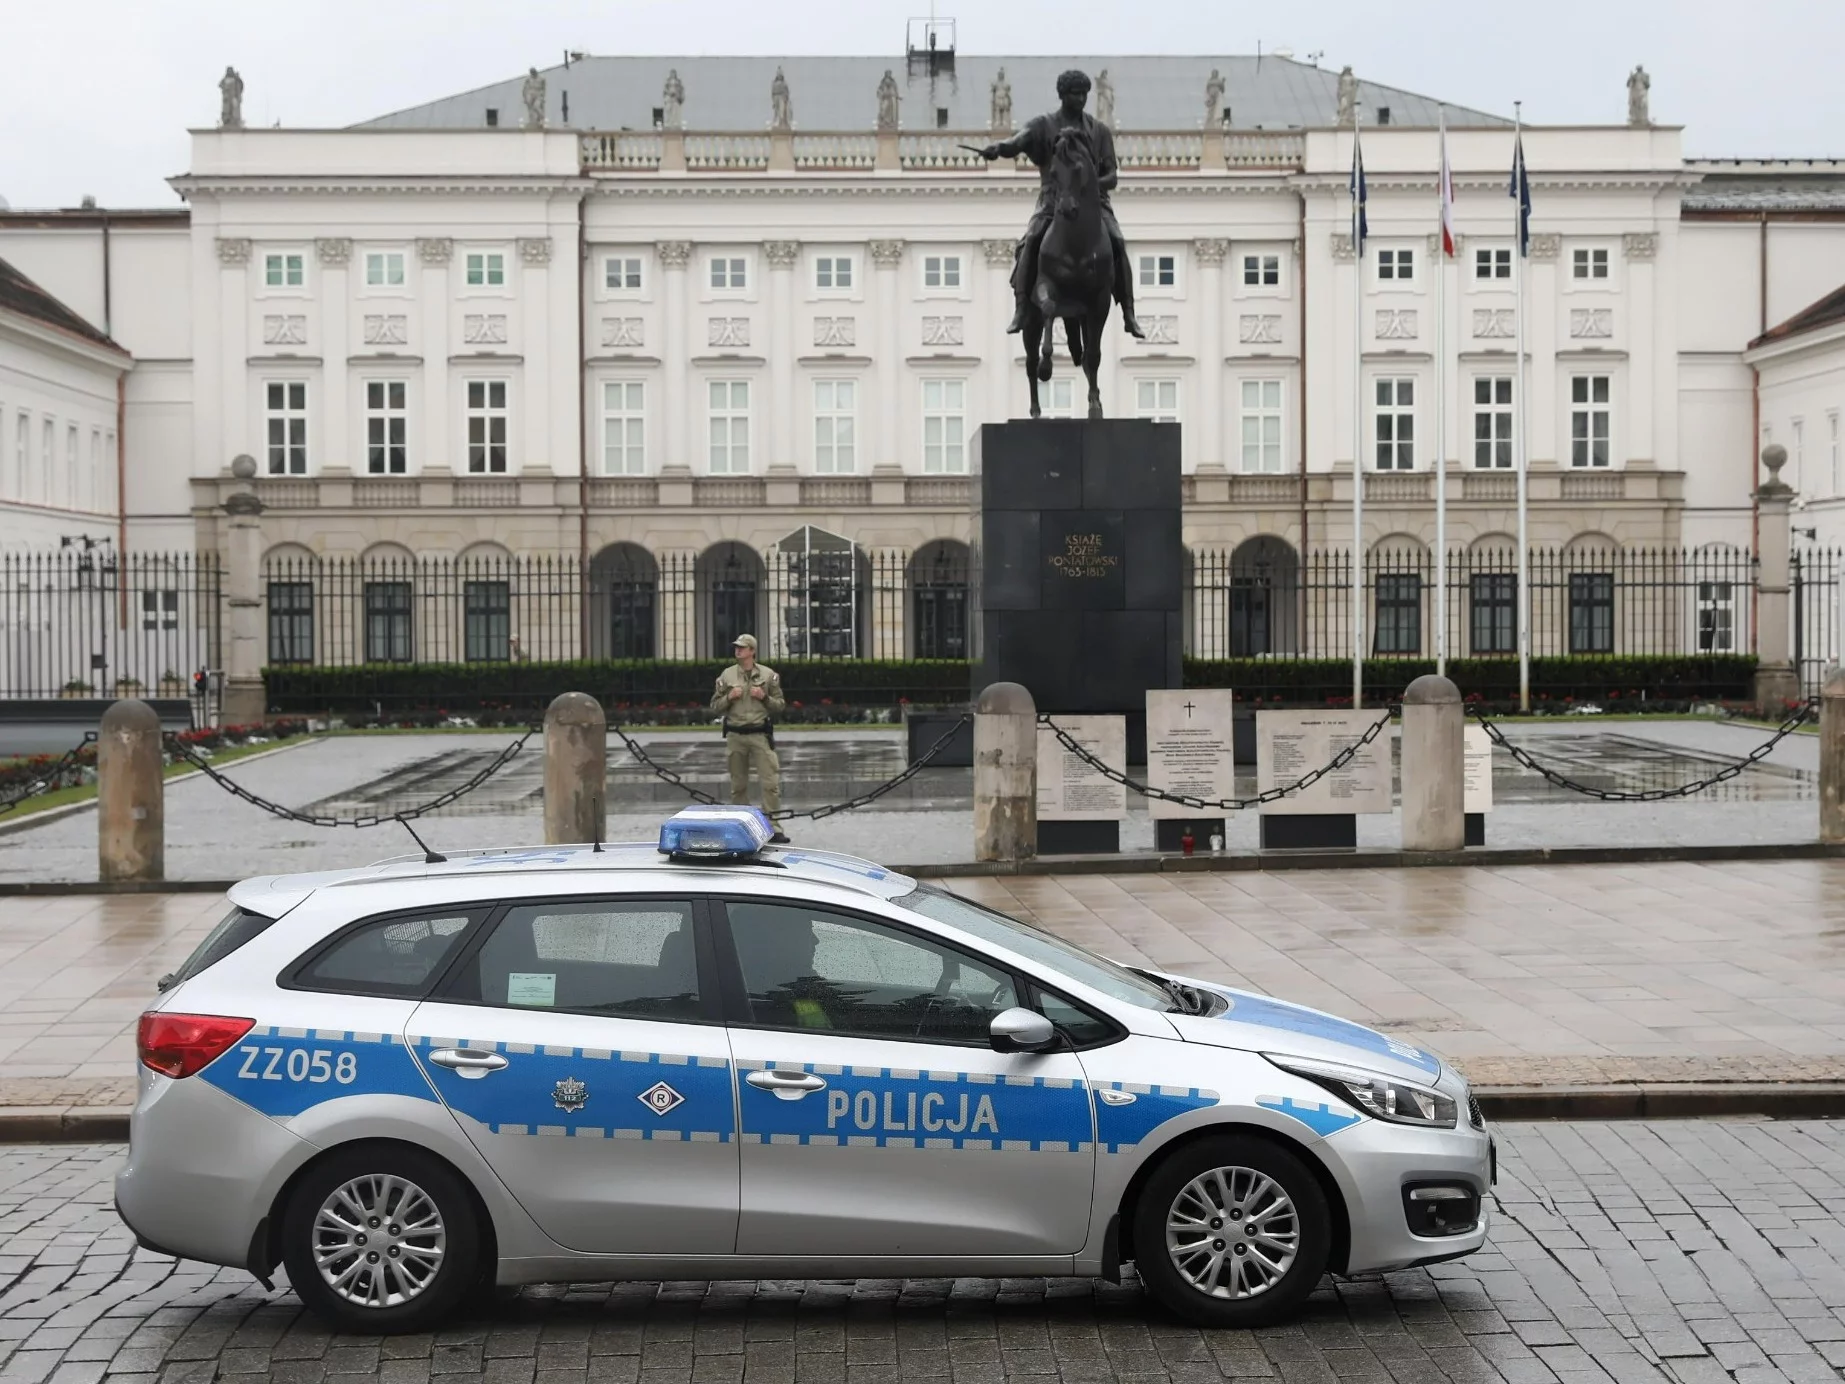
95,623
1818,615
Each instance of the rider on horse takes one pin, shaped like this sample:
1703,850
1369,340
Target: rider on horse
1036,141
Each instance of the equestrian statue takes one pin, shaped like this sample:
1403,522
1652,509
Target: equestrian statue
1072,258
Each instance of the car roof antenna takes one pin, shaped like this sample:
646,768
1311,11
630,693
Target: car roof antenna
429,857
596,844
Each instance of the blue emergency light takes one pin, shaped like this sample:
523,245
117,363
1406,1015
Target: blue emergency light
727,831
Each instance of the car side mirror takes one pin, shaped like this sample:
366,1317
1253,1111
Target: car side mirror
1021,1030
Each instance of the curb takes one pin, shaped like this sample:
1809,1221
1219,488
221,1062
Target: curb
1689,1101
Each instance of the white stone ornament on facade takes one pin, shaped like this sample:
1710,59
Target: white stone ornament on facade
532,93
1396,324
386,329
1495,323
1546,245
334,251
1210,251
622,331
835,331
535,249
1460,244
1161,329
999,253
781,254
727,331
435,250
886,254
233,250
674,254
1640,245
1588,323
284,329
1259,329
484,329
942,331
781,103
672,101
1342,245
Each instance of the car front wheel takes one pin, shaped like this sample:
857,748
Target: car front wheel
1231,1231
381,1239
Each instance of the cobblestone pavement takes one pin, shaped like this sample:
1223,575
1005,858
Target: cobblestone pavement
1520,975
1681,1252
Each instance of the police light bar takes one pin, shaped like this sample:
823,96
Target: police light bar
724,832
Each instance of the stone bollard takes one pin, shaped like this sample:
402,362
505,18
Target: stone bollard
576,769
1005,774
1832,758
1434,766
130,805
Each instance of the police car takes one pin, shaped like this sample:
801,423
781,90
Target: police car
710,1058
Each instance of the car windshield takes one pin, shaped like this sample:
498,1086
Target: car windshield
1079,964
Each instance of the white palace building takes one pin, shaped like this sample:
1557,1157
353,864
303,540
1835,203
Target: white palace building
669,320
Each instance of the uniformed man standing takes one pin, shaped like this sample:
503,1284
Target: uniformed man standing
749,696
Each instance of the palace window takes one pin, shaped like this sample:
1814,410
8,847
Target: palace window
1494,603
1158,271
1262,271
1396,266
624,428
285,415
284,270
1396,424
1589,420
1591,612
944,414
1262,427
833,272
387,622
729,273
486,426
1492,422
1157,400
1399,613
1716,617
622,273
1492,264
1589,264
486,269
291,622
835,427
386,425
384,269
486,621
941,271
730,427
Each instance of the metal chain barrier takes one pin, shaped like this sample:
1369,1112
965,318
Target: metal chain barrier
1339,761
198,761
864,799
54,777
1650,795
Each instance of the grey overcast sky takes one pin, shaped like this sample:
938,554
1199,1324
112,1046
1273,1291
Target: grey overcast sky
99,93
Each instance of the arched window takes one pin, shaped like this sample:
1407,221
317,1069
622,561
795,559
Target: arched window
624,603
825,583
938,599
1399,576
730,596
387,604
1264,593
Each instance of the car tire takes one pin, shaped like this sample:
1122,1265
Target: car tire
1224,1183
381,1239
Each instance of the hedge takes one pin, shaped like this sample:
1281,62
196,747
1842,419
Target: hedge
863,689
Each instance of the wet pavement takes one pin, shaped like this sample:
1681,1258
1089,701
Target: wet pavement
1673,1252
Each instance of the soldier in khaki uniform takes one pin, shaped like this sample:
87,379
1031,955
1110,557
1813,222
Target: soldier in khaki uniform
749,695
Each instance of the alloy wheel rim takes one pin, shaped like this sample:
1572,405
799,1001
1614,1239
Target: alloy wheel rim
1232,1233
378,1240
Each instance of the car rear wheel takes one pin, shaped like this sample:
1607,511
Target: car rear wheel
1231,1231
381,1239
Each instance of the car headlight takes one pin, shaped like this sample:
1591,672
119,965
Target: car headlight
1382,1097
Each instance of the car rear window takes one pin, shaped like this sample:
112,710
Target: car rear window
237,927
399,956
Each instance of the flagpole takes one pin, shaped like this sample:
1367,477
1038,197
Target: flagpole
1441,404
1358,420
1522,457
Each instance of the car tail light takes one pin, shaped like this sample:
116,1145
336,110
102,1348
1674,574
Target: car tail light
178,1045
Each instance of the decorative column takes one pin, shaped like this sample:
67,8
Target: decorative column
1641,333
997,307
1777,681
244,702
221,389
539,447
675,406
335,412
781,451
1209,256
887,255
435,455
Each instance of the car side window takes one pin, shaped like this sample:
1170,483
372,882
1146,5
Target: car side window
809,968
630,960
396,957
1083,1029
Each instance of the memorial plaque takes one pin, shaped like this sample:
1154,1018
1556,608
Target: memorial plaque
1292,744
1070,789
1084,555
1190,749
1477,793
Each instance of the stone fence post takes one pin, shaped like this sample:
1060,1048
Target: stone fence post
1832,758
576,769
1777,681
1005,774
1434,766
130,802
244,700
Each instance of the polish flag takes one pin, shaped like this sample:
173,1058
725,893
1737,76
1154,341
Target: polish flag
1447,195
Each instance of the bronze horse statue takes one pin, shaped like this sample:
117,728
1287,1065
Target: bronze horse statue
1076,270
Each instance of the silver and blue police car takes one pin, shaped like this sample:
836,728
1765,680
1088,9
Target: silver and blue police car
710,1058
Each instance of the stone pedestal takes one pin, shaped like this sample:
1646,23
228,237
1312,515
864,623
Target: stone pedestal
1005,774
1777,681
130,801
243,701
1434,759
576,770
1080,564
1832,758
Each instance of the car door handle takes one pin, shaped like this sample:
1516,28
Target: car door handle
470,1063
786,1085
